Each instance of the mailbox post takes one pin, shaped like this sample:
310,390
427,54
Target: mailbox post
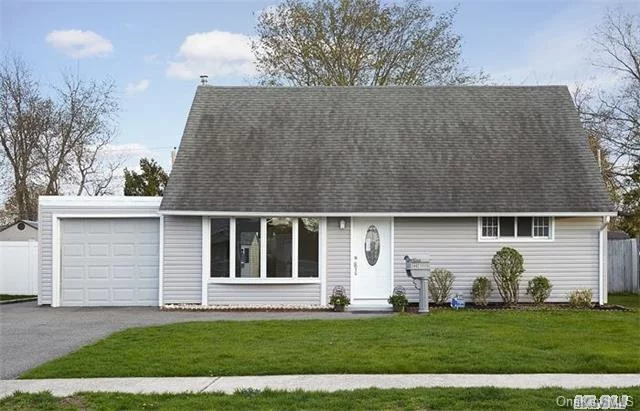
419,269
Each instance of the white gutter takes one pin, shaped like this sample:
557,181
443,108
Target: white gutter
601,258
382,214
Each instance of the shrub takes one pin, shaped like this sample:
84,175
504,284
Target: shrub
507,266
481,290
398,299
539,289
440,284
339,298
581,298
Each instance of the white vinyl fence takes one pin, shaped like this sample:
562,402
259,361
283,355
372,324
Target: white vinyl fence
19,267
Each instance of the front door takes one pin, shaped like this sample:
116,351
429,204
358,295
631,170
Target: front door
371,278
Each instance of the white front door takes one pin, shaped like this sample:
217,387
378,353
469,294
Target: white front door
371,256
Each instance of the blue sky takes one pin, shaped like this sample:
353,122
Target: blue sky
155,50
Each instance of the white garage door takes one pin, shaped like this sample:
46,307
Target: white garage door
109,261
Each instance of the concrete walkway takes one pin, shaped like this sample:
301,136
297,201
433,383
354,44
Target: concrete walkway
326,382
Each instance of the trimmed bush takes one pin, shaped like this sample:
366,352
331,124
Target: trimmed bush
507,266
539,289
581,298
440,285
481,290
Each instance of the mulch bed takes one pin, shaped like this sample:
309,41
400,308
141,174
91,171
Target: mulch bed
413,308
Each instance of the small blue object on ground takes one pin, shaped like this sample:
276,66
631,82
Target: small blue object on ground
457,302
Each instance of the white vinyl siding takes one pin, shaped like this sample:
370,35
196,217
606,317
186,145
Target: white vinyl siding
338,255
182,279
264,294
570,262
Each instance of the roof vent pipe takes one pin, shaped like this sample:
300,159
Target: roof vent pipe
204,79
173,156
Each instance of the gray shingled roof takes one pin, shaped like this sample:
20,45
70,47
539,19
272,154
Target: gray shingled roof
384,149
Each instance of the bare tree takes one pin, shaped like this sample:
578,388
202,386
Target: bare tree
52,145
358,42
25,117
614,116
82,128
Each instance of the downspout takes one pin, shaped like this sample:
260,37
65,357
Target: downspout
602,248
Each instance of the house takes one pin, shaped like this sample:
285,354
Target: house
19,230
277,195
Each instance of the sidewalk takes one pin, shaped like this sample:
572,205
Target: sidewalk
326,382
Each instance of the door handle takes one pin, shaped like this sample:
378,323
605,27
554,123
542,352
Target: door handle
355,268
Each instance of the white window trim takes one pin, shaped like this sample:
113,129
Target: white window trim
272,280
498,239
263,279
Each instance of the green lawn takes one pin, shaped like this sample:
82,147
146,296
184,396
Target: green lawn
446,341
628,300
6,297
370,399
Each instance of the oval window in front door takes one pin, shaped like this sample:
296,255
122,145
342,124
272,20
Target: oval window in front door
372,245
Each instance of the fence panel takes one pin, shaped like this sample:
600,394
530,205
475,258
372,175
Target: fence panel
19,267
623,264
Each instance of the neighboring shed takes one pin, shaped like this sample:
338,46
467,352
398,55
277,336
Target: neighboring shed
20,230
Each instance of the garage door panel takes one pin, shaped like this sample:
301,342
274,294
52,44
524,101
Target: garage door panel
70,250
99,226
123,294
124,227
73,296
75,227
98,250
147,271
98,272
147,294
108,263
150,250
74,272
124,272
98,294
122,249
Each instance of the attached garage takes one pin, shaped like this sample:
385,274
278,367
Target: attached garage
99,251
109,261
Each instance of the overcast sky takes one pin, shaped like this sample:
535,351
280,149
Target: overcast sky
154,51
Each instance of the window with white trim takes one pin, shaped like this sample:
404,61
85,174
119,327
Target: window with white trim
518,228
265,248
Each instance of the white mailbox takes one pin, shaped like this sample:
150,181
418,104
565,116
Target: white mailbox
419,269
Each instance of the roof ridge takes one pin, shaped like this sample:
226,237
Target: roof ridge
476,86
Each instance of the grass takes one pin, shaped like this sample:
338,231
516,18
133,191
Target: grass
7,297
446,341
626,299
369,399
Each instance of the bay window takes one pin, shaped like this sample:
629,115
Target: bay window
515,228
265,248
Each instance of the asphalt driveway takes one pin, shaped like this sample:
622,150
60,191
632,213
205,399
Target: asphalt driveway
31,335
